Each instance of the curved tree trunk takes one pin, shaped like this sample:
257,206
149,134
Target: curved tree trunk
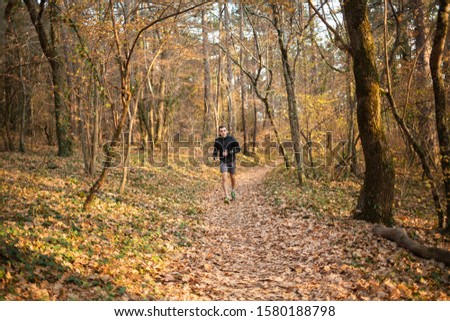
377,194
111,154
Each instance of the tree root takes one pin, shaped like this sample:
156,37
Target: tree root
399,236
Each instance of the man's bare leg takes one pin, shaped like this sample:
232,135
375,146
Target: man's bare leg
224,184
233,181
233,186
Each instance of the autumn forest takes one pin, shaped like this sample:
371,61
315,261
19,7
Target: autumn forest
111,111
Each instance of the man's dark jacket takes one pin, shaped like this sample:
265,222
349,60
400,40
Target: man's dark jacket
228,143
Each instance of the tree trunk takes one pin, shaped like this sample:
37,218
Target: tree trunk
230,79
265,101
125,98
129,141
218,94
399,236
309,146
206,79
255,125
242,79
95,134
110,154
351,148
160,110
440,103
419,149
70,66
52,52
329,155
25,106
143,134
377,194
145,119
219,76
126,160
82,124
147,114
9,78
167,120
31,120
290,91
419,35
9,140
446,65
424,107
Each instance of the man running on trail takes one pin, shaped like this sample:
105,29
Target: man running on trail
227,147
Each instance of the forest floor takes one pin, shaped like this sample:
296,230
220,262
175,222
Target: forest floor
171,237
276,242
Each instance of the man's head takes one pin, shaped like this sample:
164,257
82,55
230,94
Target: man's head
223,131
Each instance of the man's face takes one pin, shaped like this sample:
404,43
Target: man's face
223,132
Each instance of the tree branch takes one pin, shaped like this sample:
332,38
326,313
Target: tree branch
155,22
344,45
399,236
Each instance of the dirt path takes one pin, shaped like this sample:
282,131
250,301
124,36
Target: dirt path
248,252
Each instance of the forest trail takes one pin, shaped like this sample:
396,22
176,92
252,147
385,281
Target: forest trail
246,251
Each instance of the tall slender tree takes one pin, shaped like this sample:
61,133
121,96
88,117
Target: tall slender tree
230,77
422,52
243,79
206,77
277,12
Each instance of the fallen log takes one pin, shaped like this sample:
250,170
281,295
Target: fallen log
399,236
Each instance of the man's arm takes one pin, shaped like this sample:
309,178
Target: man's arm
235,148
216,149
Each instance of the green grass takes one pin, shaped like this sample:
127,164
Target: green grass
114,250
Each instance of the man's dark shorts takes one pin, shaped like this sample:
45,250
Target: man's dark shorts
228,168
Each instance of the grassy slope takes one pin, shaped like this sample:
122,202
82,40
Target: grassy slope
50,249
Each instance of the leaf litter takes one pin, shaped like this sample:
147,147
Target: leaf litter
171,237
266,246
